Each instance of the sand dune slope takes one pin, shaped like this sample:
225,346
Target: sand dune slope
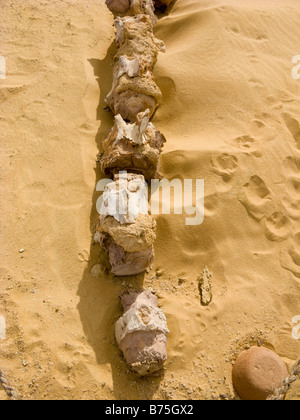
230,113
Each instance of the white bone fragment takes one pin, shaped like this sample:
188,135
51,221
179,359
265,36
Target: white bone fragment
141,318
125,198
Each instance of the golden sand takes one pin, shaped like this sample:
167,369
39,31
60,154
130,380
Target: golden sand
230,114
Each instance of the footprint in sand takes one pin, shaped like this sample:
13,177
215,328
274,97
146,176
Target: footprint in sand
256,198
293,187
39,111
83,256
224,165
290,255
211,205
186,331
278,227
262,128
294,128
246,144
274,102
292,208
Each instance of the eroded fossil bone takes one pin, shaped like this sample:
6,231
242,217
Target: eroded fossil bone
130,103
132,237
134,89
132,8
135,37
133,147
125,229
142,332
125,198
126,263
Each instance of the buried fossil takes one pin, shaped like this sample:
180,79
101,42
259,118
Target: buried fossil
125,230
135,38
132,8
134,89
133,147
141,333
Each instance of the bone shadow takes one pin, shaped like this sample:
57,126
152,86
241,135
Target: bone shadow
165,10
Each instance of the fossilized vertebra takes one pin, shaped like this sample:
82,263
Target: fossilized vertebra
134,89
132,8
132,237
142,332
125,198
133,147
134,36
126,263
125,229
130,103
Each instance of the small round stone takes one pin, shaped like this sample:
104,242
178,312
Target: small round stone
257,373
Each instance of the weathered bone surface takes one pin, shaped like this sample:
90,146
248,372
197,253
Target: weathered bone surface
142,333
125,198
132,8
134,89
133,237
118,7
126,263
133,147
135,37
125,229
130,103
131,95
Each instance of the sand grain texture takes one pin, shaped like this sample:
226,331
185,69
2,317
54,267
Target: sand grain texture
230,114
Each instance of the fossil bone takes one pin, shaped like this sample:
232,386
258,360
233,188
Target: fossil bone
130,103
118,6
132,237
134,36
126,263
142,332
133,147
125,229
132,95
125,198
134,89
132,8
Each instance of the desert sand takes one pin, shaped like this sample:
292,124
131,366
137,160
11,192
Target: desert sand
230,114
